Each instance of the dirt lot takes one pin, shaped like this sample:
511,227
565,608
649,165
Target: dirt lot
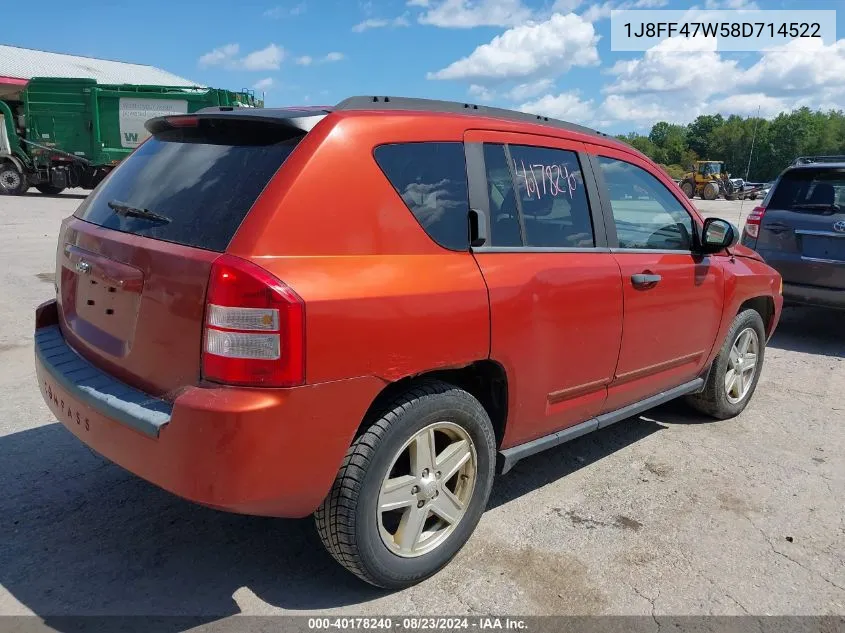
668,513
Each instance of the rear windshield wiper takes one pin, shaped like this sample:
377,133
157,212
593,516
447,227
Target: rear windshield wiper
127,210
813,206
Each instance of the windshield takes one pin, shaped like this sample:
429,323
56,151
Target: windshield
810,190
202,181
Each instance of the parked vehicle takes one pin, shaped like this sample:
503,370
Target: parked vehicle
58,133
799,229
420,296
710,181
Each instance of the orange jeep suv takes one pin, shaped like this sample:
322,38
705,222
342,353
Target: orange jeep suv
364,312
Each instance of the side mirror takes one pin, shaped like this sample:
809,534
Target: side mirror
718,235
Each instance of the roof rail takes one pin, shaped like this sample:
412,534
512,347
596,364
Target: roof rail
808,160
456,107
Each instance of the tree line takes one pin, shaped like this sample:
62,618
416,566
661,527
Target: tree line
777,142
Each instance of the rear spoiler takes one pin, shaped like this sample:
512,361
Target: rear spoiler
294,119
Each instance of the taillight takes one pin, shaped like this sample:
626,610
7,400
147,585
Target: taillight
254,327
752,223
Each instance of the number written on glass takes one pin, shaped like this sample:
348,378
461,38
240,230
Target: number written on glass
546,180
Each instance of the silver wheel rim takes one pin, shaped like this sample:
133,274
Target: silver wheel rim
427,489
10,180
742,365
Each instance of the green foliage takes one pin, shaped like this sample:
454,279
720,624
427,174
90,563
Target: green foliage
777,142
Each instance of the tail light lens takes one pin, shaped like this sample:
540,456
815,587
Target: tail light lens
254,327
752,223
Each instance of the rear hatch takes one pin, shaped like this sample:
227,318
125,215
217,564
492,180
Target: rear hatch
802,233
133,263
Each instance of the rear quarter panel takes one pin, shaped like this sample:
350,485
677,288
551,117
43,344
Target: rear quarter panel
382,298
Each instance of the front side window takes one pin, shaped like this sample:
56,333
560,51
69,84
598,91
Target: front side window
646,214
431,179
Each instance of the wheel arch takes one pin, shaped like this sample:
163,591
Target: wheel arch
764,305
486,380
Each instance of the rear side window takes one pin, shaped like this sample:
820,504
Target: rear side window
552,197
431,179
810,191
201,180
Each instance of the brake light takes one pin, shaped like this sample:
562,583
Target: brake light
254,327
182,121
752,223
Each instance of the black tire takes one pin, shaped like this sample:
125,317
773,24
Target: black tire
49,190
688,188
347,519
12,181
714,401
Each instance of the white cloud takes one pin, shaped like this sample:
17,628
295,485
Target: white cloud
538,48
268,58
481,93
799,66
567,106
219,56
464,14
602,10
730,4
307,60
380,23
748,104
566,6
280,11
529,89
674,81
675,65
263,84
418,3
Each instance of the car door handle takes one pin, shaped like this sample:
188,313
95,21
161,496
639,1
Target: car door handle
645,280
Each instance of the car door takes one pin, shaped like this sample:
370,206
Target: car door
673,296
555,289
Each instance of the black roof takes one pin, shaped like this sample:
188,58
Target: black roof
815,161
456,107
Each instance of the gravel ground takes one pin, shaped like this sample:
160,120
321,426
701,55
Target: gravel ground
667,513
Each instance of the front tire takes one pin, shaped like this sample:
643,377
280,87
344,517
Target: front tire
688,188
735,370
411,488
711,191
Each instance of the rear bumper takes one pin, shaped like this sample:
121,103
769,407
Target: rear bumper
272,452
814,296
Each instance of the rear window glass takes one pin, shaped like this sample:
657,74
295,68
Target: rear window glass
202,181
810,191
431,179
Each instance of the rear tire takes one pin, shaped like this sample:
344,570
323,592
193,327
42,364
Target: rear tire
723,397
12,181
49,190
387,467
688,188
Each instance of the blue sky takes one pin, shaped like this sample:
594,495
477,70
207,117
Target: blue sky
551,57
